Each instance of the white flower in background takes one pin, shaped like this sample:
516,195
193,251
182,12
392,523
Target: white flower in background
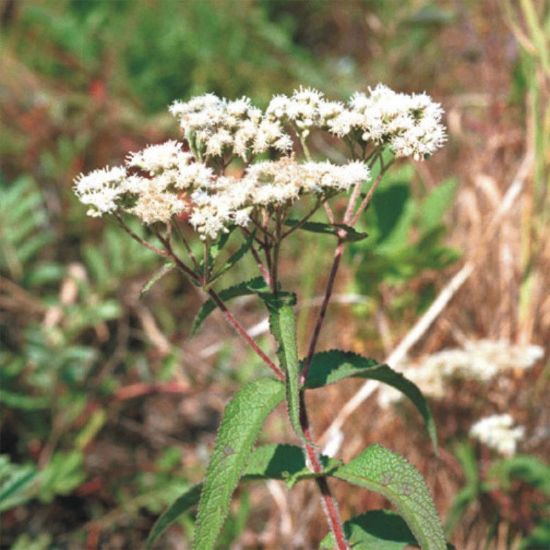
479,360
498,433
101,190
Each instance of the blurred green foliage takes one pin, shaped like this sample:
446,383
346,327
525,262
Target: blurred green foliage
153,52
509,478
406,241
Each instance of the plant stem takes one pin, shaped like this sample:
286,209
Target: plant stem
329,502
322,313
228,316
276,250
141,241
241,331
370,193
302,221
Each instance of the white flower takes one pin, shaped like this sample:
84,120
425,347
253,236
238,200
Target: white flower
479,360
218,127
410,124
498,433
157,206
163,180
101,189
159,158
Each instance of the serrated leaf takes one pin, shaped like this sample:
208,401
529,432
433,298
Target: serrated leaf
157,276
351,234
329,367
283,327
253,286
389,474
215,248
242,420
183,503
284,462
377,529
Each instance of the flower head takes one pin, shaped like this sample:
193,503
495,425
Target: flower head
101,190
498,432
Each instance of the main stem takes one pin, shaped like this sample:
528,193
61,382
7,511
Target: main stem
327,499
329,502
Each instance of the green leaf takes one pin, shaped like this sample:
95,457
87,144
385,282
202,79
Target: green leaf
435,205
390,205
351,234
329,367
242,420
389,474
157,276
242,289
285,462
235,257
283,327
15,482
183,503
377,529
23,401
526,468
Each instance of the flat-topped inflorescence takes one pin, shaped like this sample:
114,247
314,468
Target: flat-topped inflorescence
191,177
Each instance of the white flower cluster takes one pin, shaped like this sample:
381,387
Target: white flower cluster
409,124
479,360
498,433
215,126
230,201
164,180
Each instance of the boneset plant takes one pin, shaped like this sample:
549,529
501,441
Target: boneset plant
248,173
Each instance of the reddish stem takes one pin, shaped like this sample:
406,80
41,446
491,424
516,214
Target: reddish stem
323,311
241,331
329,503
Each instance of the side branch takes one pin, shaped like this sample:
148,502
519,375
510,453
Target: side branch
241,331
324,306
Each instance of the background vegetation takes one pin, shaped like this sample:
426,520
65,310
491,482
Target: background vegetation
108,407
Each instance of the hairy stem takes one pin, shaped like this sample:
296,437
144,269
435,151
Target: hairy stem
330,507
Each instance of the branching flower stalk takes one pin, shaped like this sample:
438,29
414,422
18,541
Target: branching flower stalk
238,172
